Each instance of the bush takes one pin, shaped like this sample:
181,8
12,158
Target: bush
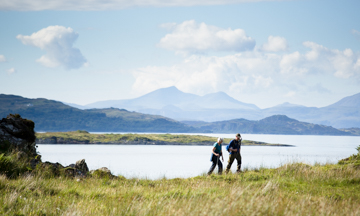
11,166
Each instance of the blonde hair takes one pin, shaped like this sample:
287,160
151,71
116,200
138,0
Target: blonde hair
220,139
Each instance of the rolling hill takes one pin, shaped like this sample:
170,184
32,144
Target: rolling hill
50,115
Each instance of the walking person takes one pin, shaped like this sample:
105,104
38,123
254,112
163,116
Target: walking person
215,156
234,153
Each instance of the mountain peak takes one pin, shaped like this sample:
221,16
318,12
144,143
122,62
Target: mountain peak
278,119
287,104
350,101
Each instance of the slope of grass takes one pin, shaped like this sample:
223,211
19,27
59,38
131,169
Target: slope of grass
294,189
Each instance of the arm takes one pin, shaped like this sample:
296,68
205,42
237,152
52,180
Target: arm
213,151
231,147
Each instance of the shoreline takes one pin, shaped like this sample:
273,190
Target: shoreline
86,138
169,144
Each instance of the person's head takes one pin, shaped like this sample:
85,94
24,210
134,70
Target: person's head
220,140
237,136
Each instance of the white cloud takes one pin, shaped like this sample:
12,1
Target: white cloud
57,41
251,72
275,44
11,71
356,33
342,64
293,64
201,75
90,5
2,58
192,37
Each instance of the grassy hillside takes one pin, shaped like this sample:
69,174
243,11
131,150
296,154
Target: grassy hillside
163,139
293,189
55,116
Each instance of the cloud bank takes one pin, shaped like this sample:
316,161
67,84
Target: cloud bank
58,42
192,37
96,5
268,68
252,72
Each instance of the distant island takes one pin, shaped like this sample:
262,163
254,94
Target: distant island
84,137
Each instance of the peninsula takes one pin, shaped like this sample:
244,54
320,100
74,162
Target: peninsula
84,137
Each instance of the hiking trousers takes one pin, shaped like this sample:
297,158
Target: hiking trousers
232,157
215,161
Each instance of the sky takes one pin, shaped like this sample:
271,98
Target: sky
263,52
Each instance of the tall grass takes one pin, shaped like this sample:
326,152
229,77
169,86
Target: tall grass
293,189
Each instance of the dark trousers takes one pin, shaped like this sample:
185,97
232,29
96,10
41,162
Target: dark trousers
215,161
232,157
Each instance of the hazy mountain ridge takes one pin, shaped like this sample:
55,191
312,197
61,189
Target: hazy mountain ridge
173,103
277,124
161,98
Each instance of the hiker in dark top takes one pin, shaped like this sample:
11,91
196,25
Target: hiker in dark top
215,156
234,153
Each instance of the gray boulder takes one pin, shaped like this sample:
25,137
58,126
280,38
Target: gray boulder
18,133
81,166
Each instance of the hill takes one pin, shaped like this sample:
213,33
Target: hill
277,124
52,115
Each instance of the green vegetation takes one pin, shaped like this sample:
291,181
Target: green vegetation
52,115
293,189
75,137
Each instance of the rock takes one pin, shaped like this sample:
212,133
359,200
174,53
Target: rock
18,133
102,172
33,163
82,166
51,169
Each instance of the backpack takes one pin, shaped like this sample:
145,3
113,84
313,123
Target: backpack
228,147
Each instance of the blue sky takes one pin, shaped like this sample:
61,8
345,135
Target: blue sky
260,52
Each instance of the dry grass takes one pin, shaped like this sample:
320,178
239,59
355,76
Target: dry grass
293,189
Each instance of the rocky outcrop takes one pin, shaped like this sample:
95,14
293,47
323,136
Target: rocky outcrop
79,169
18,133
103,172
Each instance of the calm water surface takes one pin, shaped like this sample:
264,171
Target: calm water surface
155,162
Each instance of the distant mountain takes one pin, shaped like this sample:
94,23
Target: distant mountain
173,103
171,96
350,101
77,106
277,124
342,114
50,115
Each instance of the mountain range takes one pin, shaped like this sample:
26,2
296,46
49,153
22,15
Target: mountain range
50,115
175,104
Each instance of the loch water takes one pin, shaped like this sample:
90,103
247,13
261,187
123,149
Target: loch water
158,161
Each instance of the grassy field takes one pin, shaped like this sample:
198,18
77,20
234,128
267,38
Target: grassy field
293,189
82,136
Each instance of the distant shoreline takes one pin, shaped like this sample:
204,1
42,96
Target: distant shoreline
85,138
